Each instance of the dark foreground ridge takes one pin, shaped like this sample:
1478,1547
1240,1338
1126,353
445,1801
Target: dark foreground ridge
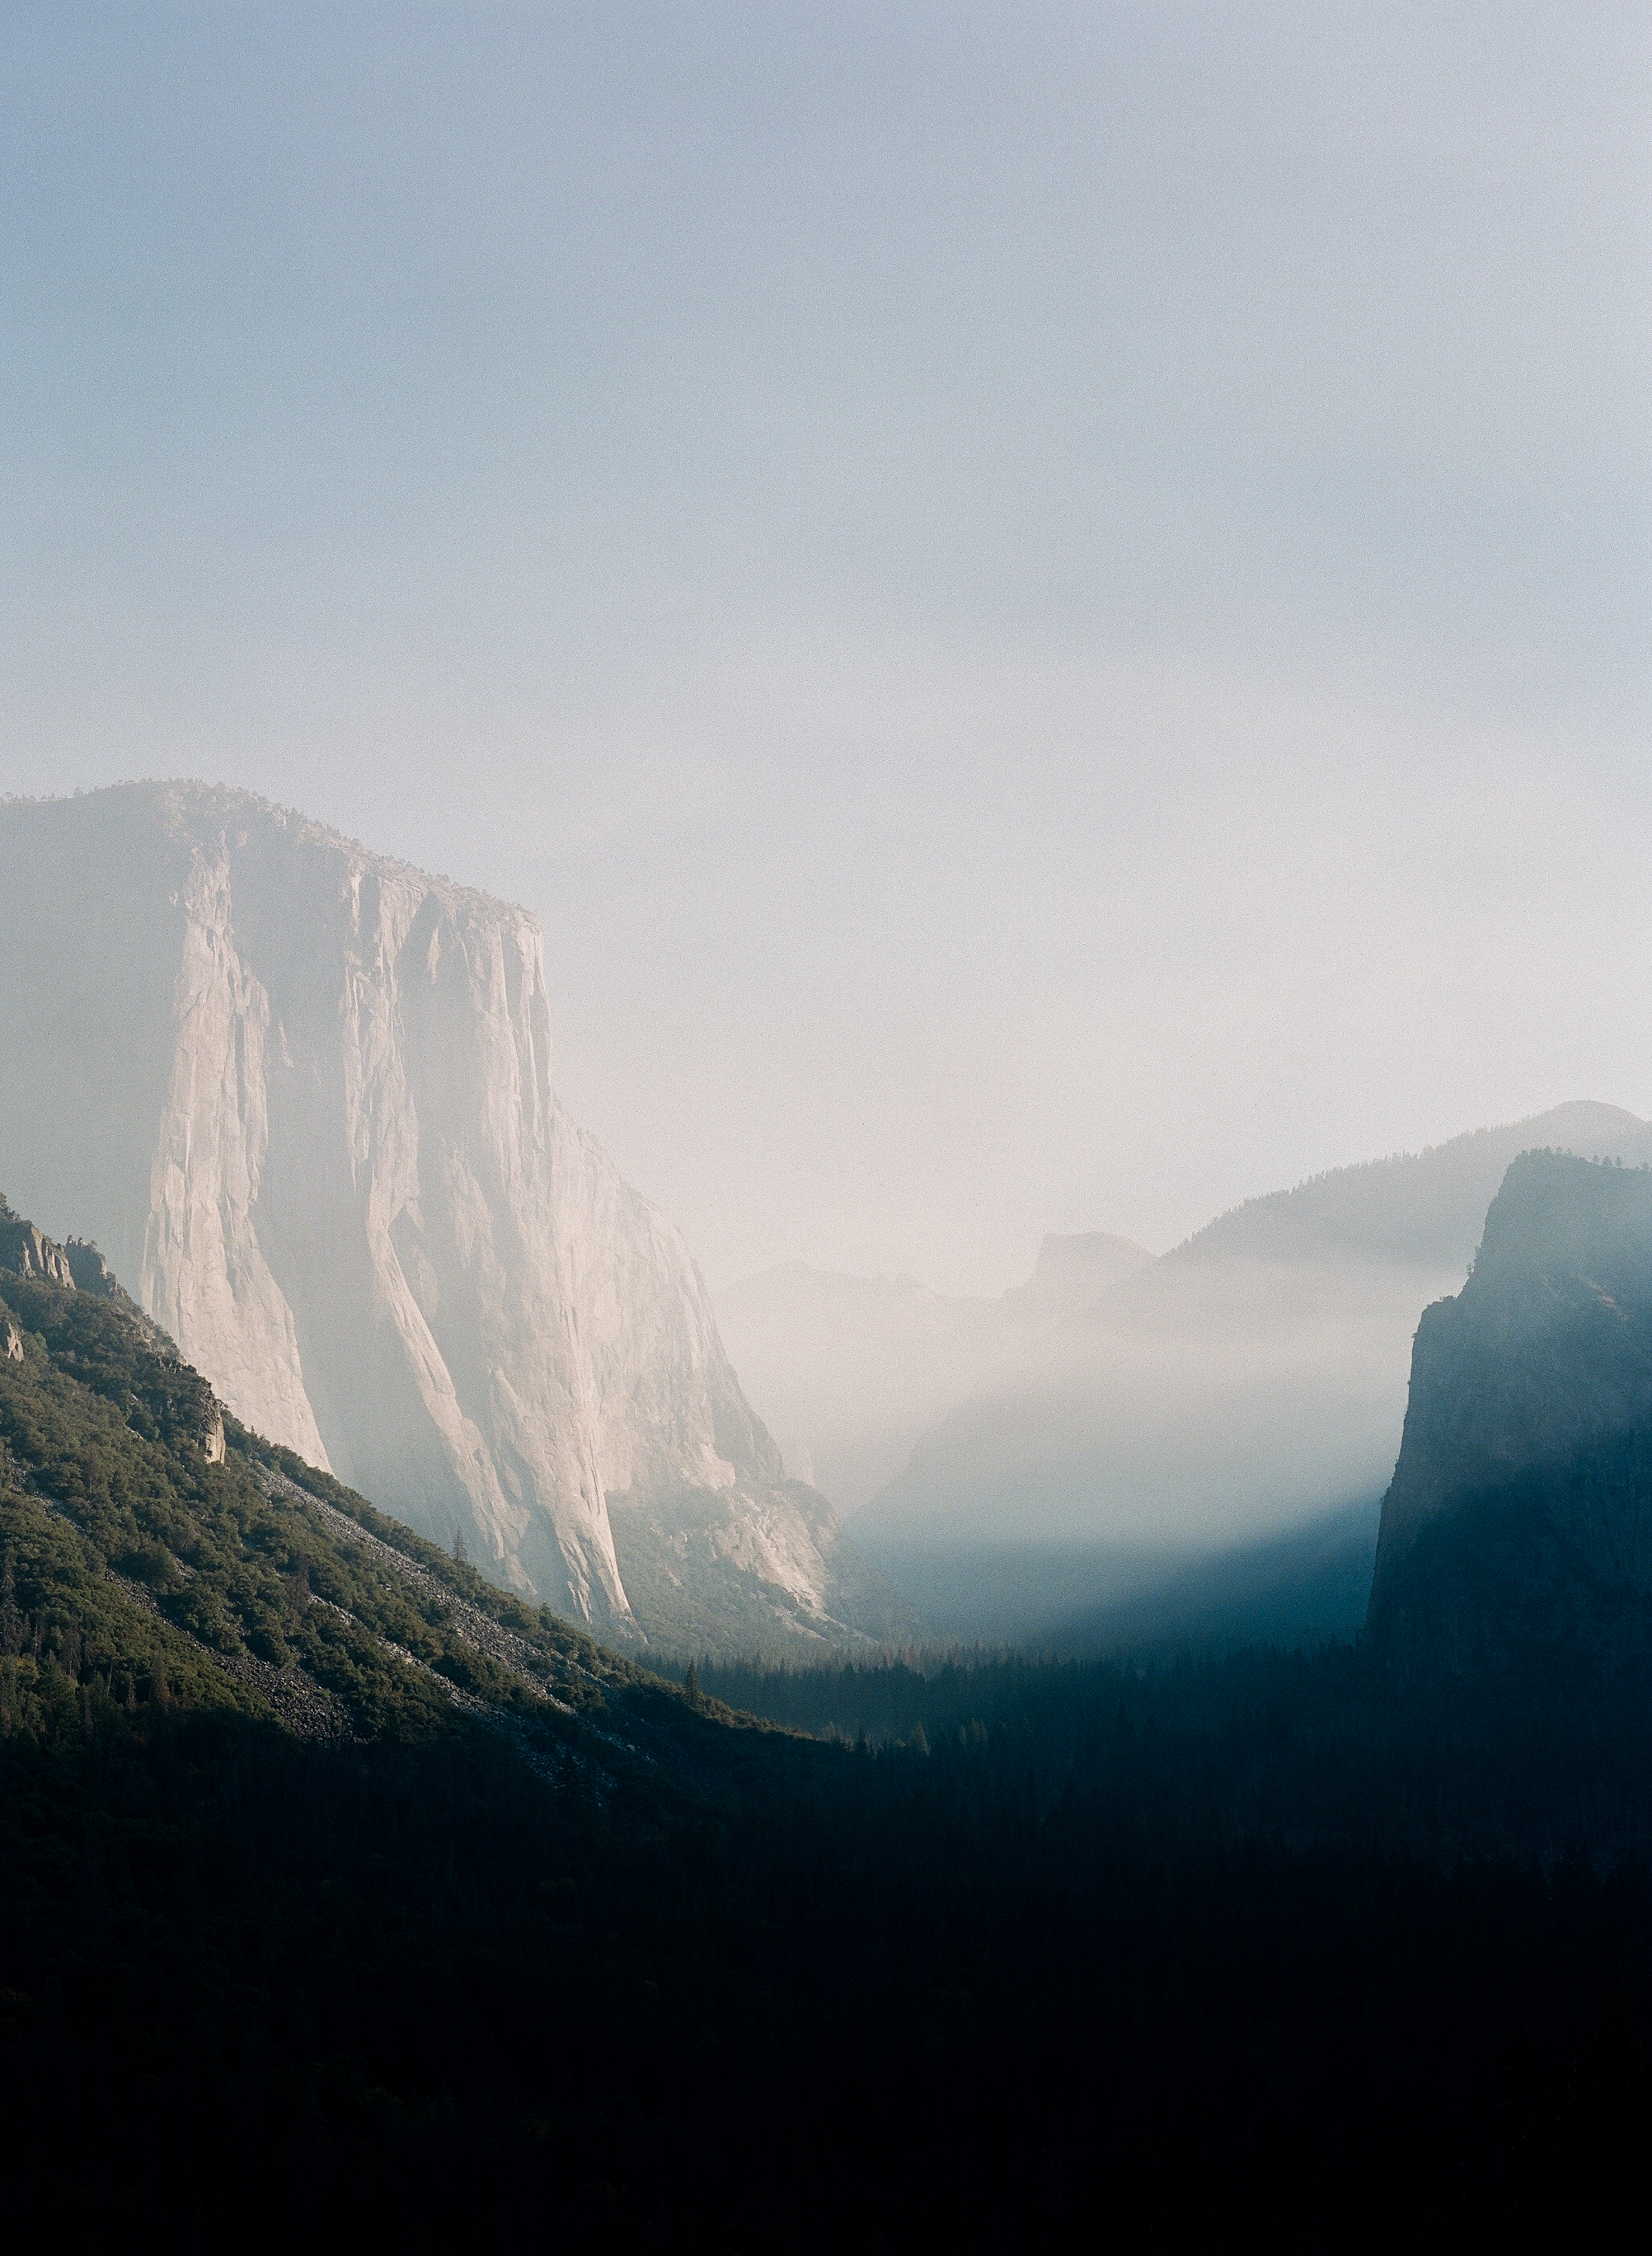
340,1892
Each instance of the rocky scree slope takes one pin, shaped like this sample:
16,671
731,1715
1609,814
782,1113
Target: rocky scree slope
1517,1529
302,1095
155,1556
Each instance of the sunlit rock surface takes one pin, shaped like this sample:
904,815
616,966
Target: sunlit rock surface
301,1095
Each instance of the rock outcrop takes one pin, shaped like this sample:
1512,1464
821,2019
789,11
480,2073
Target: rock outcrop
304,1096
174,1401
1518,1525
27,1251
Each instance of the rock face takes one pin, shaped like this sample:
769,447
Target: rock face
28,1253
302,1095
1518,1525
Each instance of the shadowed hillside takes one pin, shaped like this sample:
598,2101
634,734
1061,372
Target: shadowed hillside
1519,1522
357,1889
167,1559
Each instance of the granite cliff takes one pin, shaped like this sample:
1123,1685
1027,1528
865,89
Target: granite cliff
302,1095
1517,1528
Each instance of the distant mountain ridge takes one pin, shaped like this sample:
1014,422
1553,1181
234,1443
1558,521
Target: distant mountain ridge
302,1093
1424,1208
1250,1382
850,1369
1075,1274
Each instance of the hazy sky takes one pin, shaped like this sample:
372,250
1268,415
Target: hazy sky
1050,604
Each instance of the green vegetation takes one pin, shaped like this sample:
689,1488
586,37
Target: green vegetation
341,1892
141,1572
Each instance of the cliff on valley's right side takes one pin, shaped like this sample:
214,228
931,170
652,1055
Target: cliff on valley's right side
1517,1529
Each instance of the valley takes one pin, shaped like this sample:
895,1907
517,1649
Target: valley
825,1141
512,1922
1138,1729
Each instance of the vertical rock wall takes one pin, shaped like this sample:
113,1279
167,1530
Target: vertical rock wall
1518,1525
302,1097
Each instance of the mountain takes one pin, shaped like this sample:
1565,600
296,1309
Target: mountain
1073,1276
1518,1525
850,1372
301,1095
157,1557
1249,1383
360,1889
1419,1209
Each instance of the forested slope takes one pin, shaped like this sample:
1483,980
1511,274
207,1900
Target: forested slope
159,1559
341,1893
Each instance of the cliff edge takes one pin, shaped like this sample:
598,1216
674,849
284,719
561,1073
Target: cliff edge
302,1093
1518,1525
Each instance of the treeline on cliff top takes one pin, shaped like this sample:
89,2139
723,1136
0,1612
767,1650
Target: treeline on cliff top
425,1937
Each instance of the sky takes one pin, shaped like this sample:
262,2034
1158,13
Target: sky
1048,603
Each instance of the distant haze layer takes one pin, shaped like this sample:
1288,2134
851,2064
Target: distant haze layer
1251,1381
1049,605
852,1370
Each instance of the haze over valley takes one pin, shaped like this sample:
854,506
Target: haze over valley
339,1176
1017,1465
826,1124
